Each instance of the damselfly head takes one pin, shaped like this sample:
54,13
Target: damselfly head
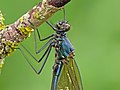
63,26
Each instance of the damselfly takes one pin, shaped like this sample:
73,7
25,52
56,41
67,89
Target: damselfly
66,75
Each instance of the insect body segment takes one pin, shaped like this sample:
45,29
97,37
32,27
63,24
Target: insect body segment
63,47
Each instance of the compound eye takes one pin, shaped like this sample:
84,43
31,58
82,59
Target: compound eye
60,23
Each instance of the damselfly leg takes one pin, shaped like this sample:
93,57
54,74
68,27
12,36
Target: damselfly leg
40,39
48,44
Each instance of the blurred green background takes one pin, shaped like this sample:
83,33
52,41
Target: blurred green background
95,35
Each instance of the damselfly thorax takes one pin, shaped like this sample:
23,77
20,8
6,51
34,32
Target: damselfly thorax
61,43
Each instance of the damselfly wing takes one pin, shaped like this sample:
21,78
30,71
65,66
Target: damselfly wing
69,78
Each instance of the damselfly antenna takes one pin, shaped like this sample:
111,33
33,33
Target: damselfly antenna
64,12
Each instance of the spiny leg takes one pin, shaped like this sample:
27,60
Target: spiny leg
45,45
40,39
43,39
38,60
45,60
47,54
54,28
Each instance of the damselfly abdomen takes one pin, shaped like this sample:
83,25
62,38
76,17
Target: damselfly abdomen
66,75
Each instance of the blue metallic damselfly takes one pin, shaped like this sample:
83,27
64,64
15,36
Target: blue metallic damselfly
66,74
